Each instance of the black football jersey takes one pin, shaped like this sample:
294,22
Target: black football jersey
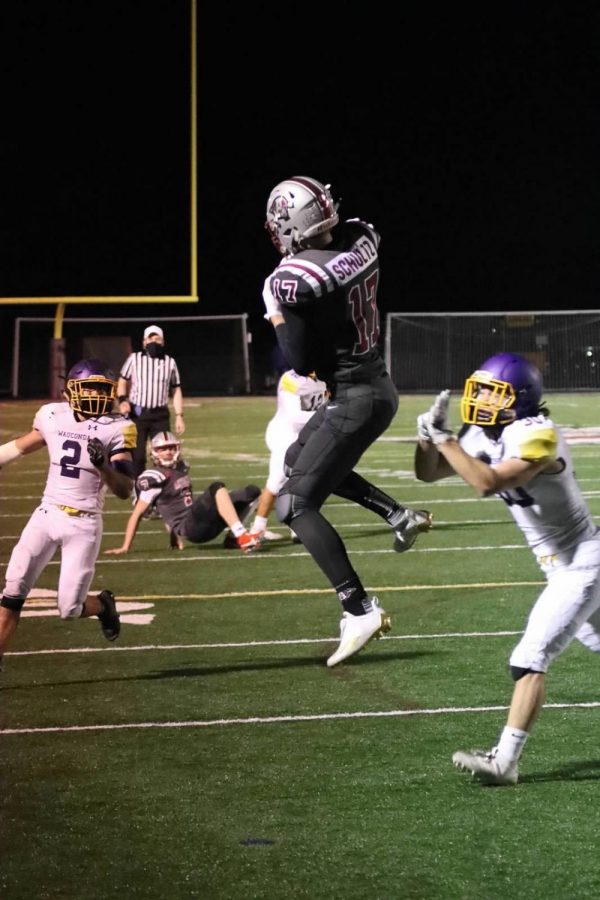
171,489
329,303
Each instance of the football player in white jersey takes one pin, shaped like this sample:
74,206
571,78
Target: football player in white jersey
90,452
511,448
298,397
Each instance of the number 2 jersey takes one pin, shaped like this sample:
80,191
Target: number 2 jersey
550,509
72,479
328,300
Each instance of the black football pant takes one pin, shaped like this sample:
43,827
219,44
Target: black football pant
203,522
149,422
322,461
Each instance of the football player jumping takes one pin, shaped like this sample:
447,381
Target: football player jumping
322,301
196,520
510,447
90,452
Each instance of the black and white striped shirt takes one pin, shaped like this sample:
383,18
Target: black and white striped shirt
152,380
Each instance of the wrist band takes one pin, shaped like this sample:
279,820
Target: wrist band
8,452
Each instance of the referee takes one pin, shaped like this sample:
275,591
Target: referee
147,379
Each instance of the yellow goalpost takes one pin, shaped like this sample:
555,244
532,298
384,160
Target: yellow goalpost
192,297
57,367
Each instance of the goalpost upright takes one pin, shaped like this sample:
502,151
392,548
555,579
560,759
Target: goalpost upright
57,343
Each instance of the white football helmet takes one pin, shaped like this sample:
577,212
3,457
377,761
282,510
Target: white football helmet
298,209
165,440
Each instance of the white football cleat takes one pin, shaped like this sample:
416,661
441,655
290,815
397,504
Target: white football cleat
356,631
486,767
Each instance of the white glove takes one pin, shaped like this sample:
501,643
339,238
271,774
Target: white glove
437,435
272,305
434,425
440,410
423,428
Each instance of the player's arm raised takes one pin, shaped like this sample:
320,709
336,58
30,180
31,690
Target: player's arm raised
26,443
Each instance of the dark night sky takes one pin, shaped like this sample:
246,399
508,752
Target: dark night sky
470,139
468,135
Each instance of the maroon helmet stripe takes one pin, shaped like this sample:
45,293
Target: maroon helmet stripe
311,186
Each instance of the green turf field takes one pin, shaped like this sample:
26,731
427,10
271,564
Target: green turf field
210,753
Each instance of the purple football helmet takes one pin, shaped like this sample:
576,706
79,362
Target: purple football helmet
505,387
91,388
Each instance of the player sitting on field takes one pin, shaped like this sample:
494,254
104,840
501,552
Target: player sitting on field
199,520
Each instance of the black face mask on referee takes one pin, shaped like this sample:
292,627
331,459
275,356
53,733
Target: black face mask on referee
155,351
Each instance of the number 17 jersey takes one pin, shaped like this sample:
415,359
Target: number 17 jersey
328,298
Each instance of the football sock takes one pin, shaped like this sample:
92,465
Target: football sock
259,524
324,545
237,529
352,596
357,489
511,743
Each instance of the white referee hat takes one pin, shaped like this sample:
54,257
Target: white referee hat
153,329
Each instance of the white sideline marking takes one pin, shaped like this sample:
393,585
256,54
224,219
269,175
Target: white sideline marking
295,592
331,503
236,556
282,529
277,720
243,644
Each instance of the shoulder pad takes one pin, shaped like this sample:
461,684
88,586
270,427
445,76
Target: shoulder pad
300,279
129,432
289,382
358,226
538,444
533,439
149,479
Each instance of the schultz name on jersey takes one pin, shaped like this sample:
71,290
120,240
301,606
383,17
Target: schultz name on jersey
331,295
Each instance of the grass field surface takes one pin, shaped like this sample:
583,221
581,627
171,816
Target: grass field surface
210,753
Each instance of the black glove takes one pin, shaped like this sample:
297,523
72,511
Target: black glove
96,452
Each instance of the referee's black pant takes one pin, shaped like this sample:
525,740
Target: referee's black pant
149,422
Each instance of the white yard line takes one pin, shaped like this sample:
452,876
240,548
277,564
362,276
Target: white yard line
245,644
283,720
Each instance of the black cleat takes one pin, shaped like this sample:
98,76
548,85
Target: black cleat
109,617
